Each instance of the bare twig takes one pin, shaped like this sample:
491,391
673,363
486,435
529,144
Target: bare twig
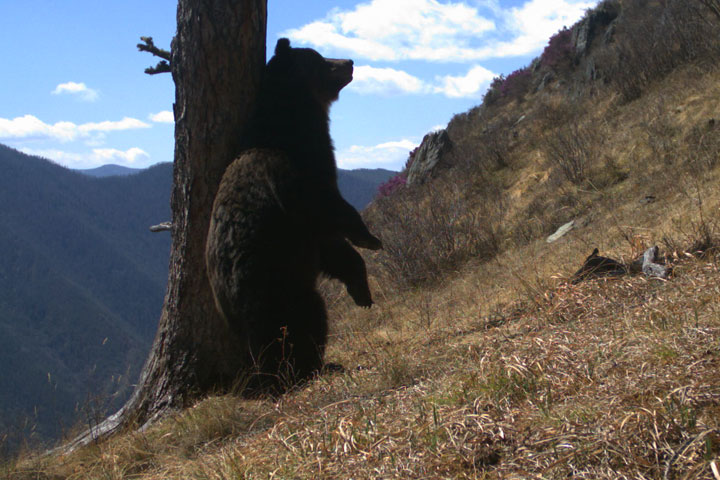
161,227
149,46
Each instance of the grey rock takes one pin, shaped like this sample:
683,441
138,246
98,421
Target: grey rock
546,79
428,157
561,231
610,33
585,30
591,72
581,36
650,266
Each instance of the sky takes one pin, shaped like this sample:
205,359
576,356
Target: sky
72,87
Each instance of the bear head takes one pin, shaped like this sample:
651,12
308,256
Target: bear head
323,77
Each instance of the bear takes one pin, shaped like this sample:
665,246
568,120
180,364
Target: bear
278,222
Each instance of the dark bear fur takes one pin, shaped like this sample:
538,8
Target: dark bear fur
279,221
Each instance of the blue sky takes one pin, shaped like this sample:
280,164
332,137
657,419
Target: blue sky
73,90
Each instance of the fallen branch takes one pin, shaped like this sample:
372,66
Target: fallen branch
161,227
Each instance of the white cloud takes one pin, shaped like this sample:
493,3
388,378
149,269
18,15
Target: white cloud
430,30
326,35
385,81
398,29
390,155
536,21
78,89
31,127
388,81
95,158
126,123
111,155
166,116
472,84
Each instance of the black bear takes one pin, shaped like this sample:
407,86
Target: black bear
279,221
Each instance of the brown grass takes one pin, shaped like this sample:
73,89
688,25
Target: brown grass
616,378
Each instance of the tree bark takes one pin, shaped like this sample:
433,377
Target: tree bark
218,55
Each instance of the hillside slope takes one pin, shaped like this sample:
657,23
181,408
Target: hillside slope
109,170
359,187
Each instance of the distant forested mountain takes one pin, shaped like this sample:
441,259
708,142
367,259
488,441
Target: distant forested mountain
82,282
360,186
357,186
109,170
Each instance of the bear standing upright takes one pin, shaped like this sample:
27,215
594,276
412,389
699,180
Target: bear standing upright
279,221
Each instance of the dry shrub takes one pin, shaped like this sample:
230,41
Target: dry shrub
555,111
480,147
699,234
653,45
574,144
573,149
485,153
432,229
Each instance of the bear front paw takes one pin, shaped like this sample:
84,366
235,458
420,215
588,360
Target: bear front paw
361,296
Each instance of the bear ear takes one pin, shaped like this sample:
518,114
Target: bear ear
283,46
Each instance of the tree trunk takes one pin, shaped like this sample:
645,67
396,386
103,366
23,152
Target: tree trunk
217,60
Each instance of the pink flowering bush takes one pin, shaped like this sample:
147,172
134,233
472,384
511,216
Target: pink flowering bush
558,51
398,181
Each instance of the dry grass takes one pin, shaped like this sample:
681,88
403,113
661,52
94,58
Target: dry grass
609,379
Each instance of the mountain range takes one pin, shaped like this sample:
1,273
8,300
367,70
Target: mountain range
110,170
357,186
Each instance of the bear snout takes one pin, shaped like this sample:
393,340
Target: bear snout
341,70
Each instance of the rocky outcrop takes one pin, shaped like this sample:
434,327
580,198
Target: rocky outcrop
586,29
428,158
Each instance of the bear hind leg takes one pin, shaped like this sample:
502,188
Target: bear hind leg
292,351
